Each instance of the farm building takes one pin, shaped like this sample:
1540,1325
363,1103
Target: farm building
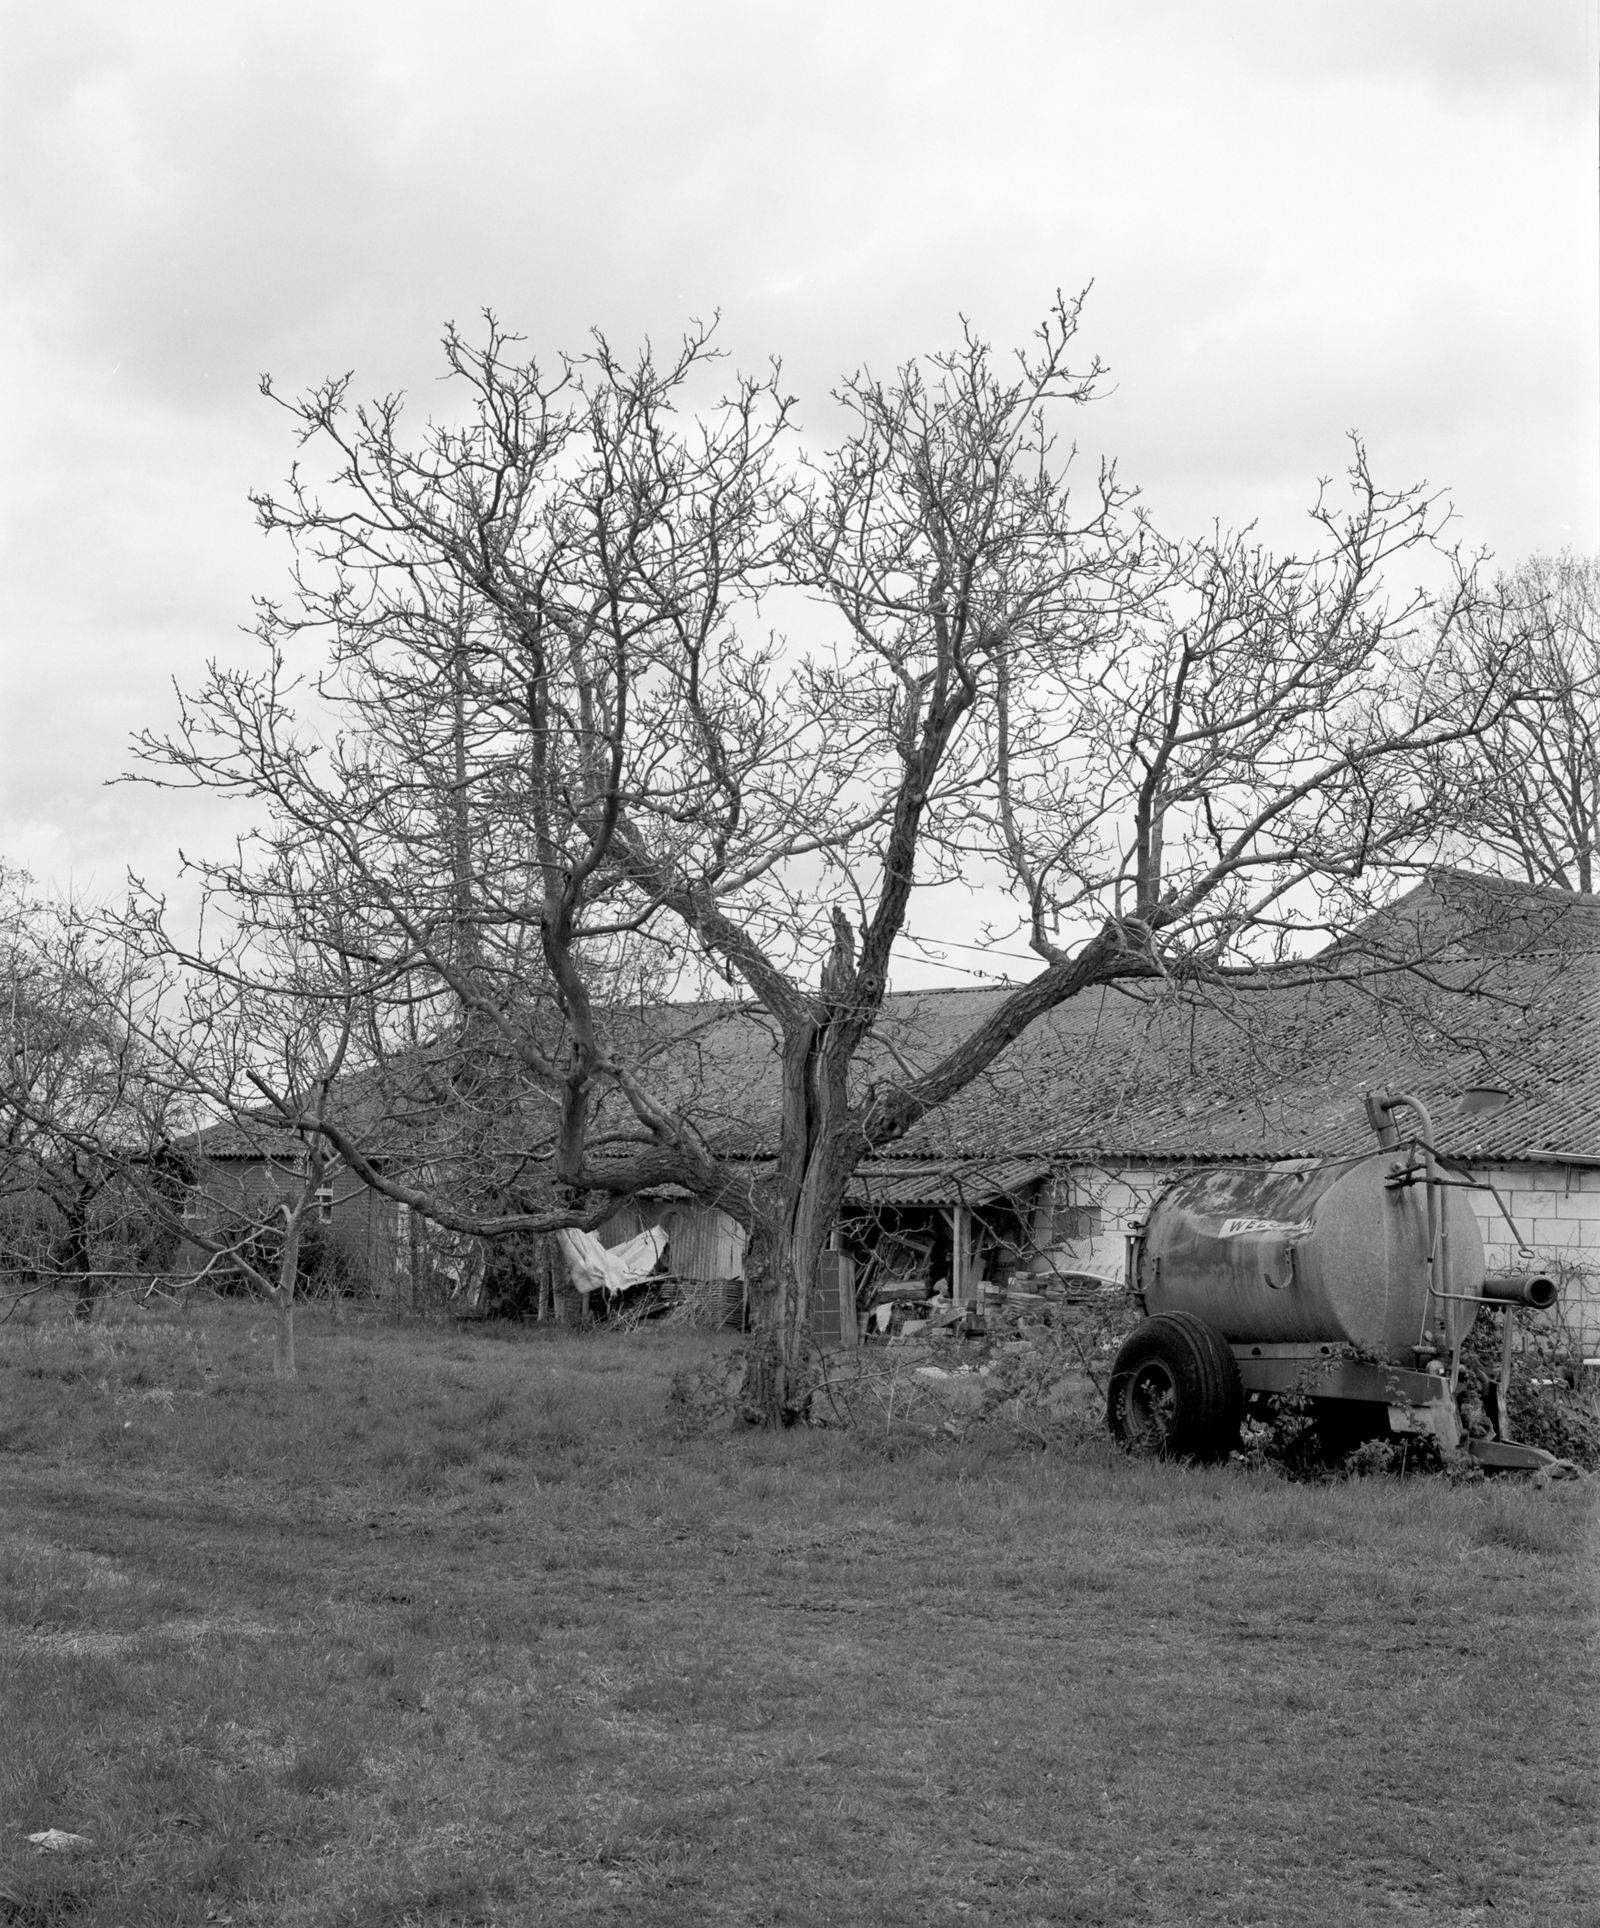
244,1168
1040,1167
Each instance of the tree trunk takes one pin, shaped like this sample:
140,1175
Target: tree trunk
79,1260
283,1303
797,1208
782,1260
775,1392
283,1365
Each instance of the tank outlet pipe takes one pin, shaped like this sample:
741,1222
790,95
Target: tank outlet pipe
1537,1289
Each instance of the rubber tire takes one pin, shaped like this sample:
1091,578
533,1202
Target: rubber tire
1175,1391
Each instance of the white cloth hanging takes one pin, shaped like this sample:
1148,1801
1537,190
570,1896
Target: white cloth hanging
595,1269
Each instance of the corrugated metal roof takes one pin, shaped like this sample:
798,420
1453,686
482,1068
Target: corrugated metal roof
943,1181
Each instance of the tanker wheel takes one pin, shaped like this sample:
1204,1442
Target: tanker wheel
1175,1391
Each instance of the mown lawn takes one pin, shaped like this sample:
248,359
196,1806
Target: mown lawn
463,1628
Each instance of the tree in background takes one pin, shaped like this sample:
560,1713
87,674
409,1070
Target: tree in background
251,1039
116,1062
533,758
91,1176
1530,780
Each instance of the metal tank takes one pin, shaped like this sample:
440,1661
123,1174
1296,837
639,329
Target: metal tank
1349,1284
1316,1253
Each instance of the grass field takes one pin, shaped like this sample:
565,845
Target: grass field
463,1628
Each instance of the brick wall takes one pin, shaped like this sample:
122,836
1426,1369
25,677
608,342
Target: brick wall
365,1226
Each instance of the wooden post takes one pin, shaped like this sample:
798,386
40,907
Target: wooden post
961,1255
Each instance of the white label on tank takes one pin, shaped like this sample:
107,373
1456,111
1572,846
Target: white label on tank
1239,1227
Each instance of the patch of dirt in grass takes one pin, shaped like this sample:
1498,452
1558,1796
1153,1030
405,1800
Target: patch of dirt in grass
184,1632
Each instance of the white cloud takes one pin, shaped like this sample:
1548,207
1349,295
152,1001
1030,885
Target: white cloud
1299,220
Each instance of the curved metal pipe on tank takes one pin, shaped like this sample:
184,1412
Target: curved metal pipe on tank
1438,1237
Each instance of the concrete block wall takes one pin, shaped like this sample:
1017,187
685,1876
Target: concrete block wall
1106,1201
1557,1210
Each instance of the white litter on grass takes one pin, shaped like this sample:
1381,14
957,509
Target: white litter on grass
58,1841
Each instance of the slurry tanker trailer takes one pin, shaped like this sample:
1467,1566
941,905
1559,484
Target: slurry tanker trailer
1352,1282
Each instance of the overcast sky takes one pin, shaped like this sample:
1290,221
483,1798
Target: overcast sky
1300,217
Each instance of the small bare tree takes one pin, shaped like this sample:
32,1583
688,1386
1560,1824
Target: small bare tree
91,1175
121,1064
257,1069
1530,780
554,765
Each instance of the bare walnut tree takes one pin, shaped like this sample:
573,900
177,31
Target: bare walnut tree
532,761
504,638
